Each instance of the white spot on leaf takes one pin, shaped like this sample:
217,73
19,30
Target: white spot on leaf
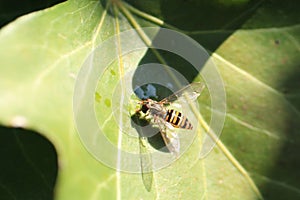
19,121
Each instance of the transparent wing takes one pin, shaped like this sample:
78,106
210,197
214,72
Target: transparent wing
170,138
191,91
146,163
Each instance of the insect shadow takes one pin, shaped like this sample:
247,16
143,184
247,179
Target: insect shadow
146,129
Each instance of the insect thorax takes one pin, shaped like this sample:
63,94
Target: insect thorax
156,109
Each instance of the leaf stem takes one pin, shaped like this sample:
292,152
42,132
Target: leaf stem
149,17
160,22
164,24
148,42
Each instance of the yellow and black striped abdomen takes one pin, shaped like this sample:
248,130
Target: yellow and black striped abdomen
177,120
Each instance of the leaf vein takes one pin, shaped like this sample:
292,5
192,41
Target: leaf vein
257,81
293,40
52,67
251,127
281,184
247,125
104,14
8,190
102,185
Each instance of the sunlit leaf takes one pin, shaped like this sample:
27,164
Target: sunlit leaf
42,53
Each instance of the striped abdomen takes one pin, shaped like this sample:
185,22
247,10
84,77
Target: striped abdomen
178,120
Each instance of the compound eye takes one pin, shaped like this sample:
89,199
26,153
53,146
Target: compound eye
145,108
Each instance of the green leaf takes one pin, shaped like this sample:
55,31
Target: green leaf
9,10
42,53
260,67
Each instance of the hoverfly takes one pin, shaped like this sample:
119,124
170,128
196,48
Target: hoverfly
166,120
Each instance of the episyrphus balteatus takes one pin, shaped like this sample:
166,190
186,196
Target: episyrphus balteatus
166,119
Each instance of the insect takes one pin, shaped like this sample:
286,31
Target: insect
166,119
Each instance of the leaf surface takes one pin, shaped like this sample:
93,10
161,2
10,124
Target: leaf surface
41,55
